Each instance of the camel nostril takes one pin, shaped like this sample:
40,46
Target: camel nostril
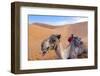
44,52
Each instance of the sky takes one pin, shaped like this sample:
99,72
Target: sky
55,20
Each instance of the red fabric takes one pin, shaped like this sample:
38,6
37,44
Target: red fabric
70,39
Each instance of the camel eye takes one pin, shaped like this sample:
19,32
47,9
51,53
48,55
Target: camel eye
47,48
58,36
52,40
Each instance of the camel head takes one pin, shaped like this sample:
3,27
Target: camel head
50,43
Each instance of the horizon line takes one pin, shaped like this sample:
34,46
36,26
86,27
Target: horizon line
56,24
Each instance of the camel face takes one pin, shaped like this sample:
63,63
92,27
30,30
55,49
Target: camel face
44,47
50,43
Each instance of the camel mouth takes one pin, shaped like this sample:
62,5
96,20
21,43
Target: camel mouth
43,53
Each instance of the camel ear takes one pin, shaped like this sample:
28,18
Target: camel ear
59,36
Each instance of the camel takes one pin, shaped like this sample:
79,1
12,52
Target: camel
72,51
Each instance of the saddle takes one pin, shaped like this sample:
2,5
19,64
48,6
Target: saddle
77,42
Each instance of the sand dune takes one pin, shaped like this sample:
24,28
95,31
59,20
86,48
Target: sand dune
47,25
38,32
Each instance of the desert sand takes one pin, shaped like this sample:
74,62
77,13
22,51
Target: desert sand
38,32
